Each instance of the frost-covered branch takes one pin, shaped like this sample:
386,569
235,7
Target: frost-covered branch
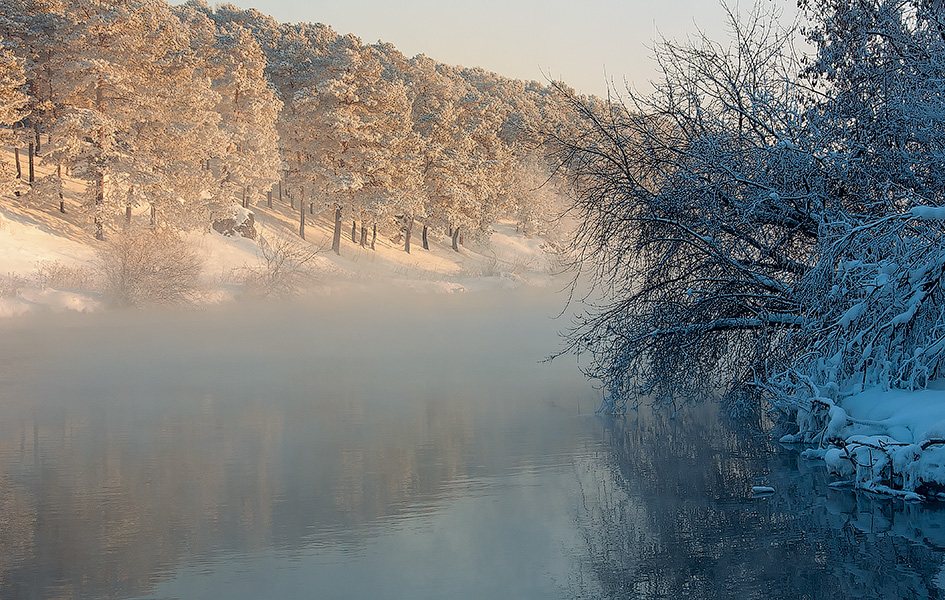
761,223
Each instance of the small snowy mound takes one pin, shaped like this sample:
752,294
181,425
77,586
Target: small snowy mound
891,443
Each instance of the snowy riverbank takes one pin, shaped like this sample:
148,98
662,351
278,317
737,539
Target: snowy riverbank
887,442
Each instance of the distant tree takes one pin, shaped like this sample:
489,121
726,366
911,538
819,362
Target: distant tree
293,55
433,94
357,125
248,155
29,27
465,167
536,198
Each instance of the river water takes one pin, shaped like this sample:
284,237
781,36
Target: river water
387,445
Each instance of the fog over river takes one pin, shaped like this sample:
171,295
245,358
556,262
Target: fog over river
384,444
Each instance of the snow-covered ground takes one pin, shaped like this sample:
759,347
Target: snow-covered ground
890,442
48,261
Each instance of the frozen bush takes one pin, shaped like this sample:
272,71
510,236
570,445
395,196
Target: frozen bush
10,285
285,269
54,274
149,268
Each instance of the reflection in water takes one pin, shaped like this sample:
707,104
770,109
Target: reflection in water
413,448
675,498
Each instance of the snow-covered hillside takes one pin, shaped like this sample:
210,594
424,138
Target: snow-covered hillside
48,262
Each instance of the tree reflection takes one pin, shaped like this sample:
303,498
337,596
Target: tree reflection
670,513
123,460
197,456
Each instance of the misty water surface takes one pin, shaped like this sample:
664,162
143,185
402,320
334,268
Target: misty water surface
388,445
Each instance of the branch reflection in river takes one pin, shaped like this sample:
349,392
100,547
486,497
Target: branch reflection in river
678,493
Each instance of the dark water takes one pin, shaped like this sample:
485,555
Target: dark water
419,450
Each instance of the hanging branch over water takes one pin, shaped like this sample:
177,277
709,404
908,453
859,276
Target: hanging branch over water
693,231
758,224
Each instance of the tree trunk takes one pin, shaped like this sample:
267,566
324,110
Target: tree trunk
336,236
128,213
16,157
407,231
100,170
245,198
455,238
153,215
269,199
62,202
99,201
32,173
302,212
36,134
449,230
374,236
363,235
426,244
354,232
280,191
311,208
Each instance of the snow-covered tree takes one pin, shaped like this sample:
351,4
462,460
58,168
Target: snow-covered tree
248,110
536,198
698,213
293,55
29,27
487,160
397,194
465,166
137,114
12,103
355,124
757,224
433,92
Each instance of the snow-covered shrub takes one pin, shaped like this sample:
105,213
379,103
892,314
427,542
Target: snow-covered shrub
285,270
10,285
142,267
55,274
876,303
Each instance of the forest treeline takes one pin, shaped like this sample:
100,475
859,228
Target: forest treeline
183,109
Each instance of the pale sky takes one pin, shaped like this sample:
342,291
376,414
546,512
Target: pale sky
585,43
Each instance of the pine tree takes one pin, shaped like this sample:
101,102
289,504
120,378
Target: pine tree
137,116
357,130
247,157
